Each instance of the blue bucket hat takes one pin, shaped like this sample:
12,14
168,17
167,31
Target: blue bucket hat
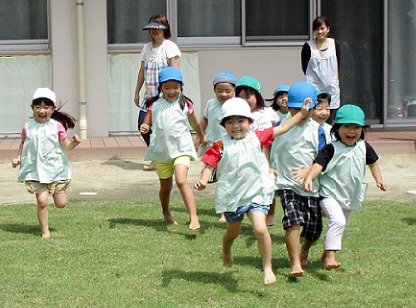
170,73
350,114
224,77
299,92
281,88
154,25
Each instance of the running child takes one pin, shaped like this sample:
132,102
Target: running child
245,185
224,88
44,167
297,149
171,145
341,169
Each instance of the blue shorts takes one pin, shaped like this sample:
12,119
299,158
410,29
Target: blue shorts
237,216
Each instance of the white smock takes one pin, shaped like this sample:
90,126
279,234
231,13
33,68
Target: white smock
344,174
214,130
322,70
43,159
170,137
243,175
295,149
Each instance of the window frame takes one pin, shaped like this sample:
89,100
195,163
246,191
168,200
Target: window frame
30,45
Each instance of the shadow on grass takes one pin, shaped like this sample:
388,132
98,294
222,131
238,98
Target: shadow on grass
409,221
224,279
21,228
156,224
124,164
206,212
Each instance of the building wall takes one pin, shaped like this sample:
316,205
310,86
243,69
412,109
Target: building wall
271,65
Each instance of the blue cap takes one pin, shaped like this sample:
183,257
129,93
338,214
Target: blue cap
170,73
282,88
224,77
299,92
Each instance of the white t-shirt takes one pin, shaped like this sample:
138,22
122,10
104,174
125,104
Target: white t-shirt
263,119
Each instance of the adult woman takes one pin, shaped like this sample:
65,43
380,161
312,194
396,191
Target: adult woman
320,63
159,53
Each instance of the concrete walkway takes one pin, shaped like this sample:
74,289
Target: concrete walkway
384,142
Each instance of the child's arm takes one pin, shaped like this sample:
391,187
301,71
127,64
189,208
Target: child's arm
203,124
72,143
314,171
145,127
376,173
197,127
203,181
292,121
16,160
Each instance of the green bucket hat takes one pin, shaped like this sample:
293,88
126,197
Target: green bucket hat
350,114
251,82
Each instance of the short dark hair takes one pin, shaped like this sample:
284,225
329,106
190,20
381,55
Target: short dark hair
335,131
259,98
319,21
274,105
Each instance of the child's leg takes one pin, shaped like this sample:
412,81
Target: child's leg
60,200
292,239
265,245
338,219
181,177
164,196
233,230
312,227
271,214
42,208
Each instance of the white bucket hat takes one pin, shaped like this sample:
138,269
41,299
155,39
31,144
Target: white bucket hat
235,107
45,93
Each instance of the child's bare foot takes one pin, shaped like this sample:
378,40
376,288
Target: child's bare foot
222,218
329,260
296,272
227,259
170,219
194,226
269,276
46,235
270,220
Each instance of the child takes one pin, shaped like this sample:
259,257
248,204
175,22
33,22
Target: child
171,145
279,105
341,169
279,102
42,154
298,148
244,182
321,113
224,87
249,88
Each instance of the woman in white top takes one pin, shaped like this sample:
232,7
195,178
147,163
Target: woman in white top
159,53
320,63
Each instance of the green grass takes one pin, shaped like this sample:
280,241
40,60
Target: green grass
121,254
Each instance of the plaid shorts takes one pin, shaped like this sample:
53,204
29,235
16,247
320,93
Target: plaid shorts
301,210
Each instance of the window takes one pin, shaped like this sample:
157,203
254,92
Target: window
23,24
275,20
126,18
212,22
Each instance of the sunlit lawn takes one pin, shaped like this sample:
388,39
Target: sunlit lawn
121,254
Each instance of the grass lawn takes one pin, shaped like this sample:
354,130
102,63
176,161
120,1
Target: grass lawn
121,254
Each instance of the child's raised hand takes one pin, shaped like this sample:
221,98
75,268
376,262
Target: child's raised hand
305,107
200,185
382,185
144,128
16,162
75,139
